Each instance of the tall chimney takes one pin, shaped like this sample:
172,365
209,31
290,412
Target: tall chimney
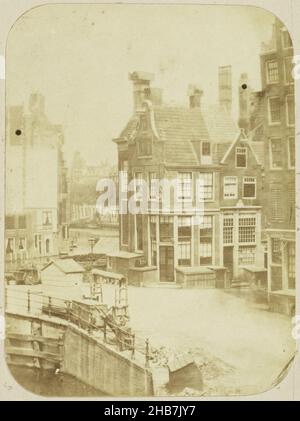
141,87
225,87
195,94
244,112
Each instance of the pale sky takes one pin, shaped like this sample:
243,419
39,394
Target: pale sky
79,57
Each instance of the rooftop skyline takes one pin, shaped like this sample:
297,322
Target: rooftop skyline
87,88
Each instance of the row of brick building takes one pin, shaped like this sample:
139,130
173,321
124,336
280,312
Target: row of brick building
247,170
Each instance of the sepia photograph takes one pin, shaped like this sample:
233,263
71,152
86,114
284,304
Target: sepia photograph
150,201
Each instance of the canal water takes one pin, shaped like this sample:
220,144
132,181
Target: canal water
45,383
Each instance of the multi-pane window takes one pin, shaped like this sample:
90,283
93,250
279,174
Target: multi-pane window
184,240
246,255
228,230
145,146
166,233
153,240
206,235
291,266
288,70
276,153
274,110
230,187
272,71
286,40
249,187
206,149
292,151
184,227
276,252
185,186
153,188
247,226
241,157
290,109
276,201
184,253
206,186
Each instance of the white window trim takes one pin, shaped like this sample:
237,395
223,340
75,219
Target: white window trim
255,183
271,155
271,123
287,111
267,71
246,149
213,186
202,143
289,153
236,188
286,82
190,197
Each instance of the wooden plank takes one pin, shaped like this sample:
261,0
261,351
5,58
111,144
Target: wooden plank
34,338
26,352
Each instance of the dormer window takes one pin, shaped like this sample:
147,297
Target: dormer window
241,157
145,146
206,149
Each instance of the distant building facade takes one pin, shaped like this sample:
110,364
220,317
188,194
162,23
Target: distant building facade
188,144
84,195
36,184
268,117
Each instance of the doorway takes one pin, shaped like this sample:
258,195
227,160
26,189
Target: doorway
166,264
228,260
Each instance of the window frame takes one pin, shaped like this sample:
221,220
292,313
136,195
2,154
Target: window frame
255,186
236,187
287,111
183,186
268,72
271,154
205,143
237,152
244,232
244,247
274,123
208,240
211,187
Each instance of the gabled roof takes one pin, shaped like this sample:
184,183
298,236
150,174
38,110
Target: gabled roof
178,127
66,265
255,147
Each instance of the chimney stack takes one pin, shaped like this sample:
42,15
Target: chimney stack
225,87
141,87
195,94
